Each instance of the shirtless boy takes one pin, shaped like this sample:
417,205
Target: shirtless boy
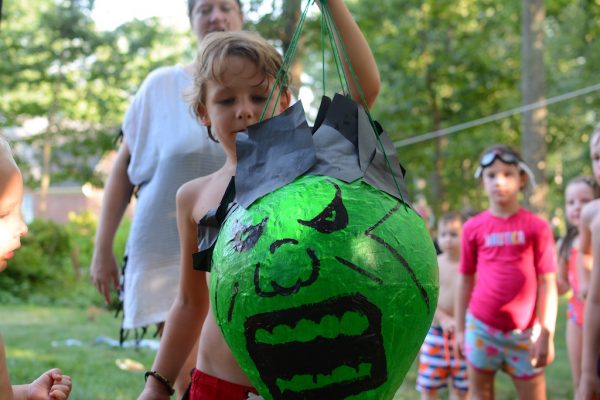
439,360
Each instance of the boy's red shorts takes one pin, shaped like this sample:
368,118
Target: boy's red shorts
207,387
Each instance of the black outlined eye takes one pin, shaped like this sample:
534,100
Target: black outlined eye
247,236
333,218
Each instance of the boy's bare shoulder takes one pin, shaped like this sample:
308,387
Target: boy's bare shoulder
590,211
198,196
190,191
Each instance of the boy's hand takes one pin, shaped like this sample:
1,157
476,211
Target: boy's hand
459,336
51,385
542,351
447,324
149,394
583,290
589,386
104,272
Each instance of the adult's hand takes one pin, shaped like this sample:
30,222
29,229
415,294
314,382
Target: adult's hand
104,273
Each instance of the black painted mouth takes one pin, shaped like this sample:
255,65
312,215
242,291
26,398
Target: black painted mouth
328,350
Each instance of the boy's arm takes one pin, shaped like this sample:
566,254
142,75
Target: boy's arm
463,295
589,384
547,303
117,192
52,384
359,53
187,314
5,388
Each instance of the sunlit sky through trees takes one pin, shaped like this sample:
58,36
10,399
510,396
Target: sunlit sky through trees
109,14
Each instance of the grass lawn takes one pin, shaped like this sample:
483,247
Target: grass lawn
29,332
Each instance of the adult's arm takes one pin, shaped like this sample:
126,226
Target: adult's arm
104,269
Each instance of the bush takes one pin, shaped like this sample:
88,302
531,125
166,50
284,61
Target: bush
41,268
53,263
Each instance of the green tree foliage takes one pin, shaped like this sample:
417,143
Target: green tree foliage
446,63
41,269
53,264
442,64
55,64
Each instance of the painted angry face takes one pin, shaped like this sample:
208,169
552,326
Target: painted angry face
324,290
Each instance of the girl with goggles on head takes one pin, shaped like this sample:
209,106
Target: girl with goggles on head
505,318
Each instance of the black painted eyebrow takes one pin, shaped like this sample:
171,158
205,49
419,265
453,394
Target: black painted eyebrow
322,222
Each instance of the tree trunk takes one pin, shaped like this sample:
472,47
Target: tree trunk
438,188
533,140
51,132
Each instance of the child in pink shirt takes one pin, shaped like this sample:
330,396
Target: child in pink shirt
507,296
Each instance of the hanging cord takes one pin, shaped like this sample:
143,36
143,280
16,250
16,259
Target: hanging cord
323,32
329,28
290,53
340,45
338,49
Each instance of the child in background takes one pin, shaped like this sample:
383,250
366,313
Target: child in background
234,75
589,241
579,191
51,384
505,317
439,360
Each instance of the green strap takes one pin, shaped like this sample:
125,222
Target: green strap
328,28
331,30
287,62
337,40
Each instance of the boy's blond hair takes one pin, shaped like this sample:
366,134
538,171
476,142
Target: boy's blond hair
211,61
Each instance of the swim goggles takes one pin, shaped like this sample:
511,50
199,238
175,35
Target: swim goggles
506,157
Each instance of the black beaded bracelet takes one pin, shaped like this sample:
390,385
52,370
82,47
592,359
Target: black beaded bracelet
161,379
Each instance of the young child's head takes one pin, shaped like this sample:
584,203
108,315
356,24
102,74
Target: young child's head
449,231
503,173
578,192
12,226
595,152
234,75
